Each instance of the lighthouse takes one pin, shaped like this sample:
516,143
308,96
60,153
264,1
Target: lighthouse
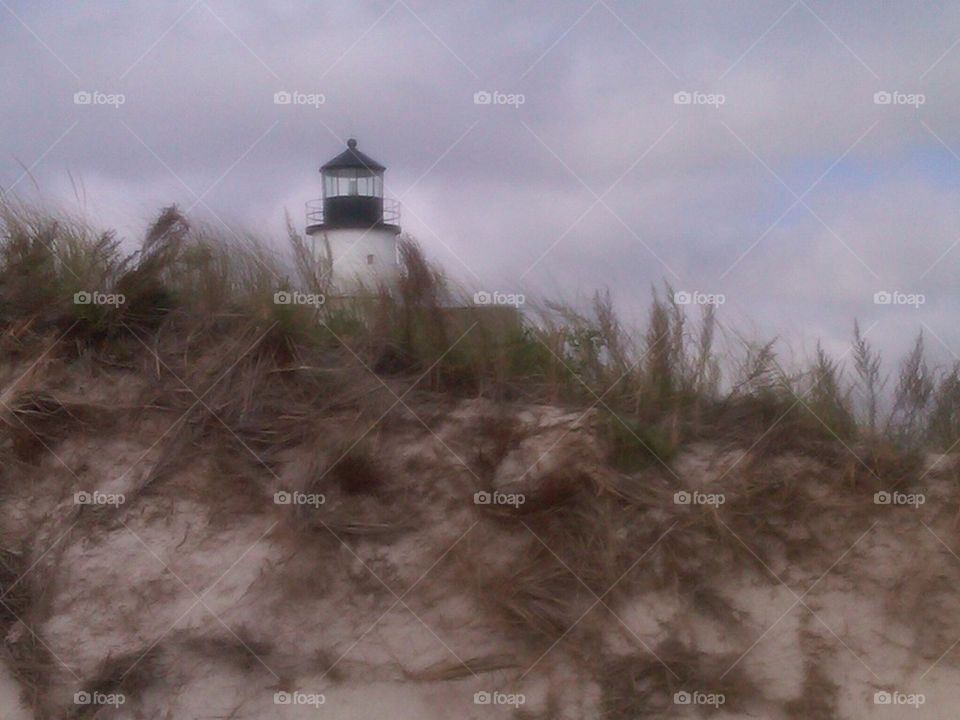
353,229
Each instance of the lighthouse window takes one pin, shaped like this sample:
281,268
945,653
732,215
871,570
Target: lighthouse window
343,182
352,182
369,259
365,186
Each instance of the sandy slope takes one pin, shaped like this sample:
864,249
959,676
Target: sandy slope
210,601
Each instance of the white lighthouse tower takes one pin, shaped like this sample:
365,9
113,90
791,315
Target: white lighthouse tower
353,229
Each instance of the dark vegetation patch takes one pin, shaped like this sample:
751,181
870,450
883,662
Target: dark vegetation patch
646,684
199,312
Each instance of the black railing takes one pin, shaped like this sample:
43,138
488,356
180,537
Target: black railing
390,216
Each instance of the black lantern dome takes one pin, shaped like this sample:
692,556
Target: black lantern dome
353,158
352,193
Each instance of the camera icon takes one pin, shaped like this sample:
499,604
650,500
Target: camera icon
882,298
682,297
82,697
83,98
282,497
482,497
682,497
882,697
282,297
482,298
82,498
482,697
82,298
682,98
882,98
282,98
282,698
682,698
882,498
482,97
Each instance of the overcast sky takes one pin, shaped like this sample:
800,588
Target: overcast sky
785,184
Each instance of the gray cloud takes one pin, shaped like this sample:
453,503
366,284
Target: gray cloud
503,195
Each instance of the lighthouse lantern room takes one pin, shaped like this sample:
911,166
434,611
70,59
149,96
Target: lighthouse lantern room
353,228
